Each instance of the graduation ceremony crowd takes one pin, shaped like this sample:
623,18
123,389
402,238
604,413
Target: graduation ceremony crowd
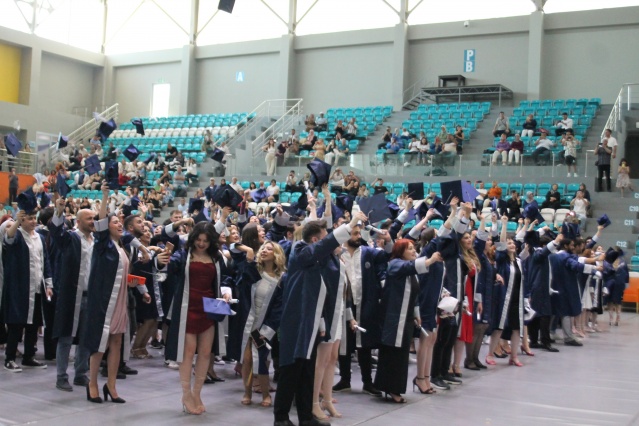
296,292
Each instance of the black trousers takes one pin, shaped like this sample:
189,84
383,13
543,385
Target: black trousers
443,350
363,358
539,151
603,169
50,344
13,195
296,381
14,335
3,333
539,330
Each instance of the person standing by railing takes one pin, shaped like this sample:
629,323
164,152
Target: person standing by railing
605,151
13,185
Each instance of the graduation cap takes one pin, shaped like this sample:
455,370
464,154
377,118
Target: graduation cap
376,208
13,144
570,230
135,202
532,238
106,128
320,172
336,212
345,202
298,207
27,201
442,209
531,211
112,175
131,152
259,194
226,196
460,189
604,221
612,255
92,164
218,155
195,204
394,209
63,187
45,200
151,158
216,309
139,126
416,190
63,141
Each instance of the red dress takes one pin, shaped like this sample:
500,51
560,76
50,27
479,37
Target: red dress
201,275
466,334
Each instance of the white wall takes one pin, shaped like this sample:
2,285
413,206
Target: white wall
65,84
133,88
217,90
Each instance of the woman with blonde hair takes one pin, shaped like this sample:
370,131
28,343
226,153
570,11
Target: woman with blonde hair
271,158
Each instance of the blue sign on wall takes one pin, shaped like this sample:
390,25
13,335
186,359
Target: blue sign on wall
239,76
469,60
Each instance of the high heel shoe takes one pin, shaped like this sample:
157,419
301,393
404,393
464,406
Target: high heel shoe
496,355
323,416
457,371
507,350
527,352
107,393
515,362
401,400
490,361
97,399
479,364
328,406
428,391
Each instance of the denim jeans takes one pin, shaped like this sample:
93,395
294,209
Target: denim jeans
81,363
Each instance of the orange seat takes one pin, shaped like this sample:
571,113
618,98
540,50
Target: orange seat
631,294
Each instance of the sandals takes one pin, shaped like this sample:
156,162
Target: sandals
401,399
267,402
246,400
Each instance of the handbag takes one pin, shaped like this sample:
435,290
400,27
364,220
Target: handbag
216,309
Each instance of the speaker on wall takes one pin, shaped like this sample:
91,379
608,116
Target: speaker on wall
226,5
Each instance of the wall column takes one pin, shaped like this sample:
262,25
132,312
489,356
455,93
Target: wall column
399,64
287,62
535,54
187,81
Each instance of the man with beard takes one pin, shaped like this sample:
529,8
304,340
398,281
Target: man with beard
365,271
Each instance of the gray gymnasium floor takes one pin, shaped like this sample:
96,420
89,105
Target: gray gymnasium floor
597,384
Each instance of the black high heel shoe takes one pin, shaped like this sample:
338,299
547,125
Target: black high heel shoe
390,397
503,355
428,391
107,393
97,399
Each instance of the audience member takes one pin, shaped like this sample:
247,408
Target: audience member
543,145
501,125
530,126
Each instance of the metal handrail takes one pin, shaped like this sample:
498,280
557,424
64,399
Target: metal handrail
415,91
625,96
25,162
279,126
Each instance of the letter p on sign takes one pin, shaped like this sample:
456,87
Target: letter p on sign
469,60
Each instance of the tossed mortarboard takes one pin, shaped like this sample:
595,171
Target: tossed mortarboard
394,209
416,190
345,202
375,207
298,208
442,209
45,200
460,189
135,202
226,196
92,164
320,172
131,152
604,221
139,126
151,158
13,144
259,194
195,204
63,141
218,155
112,174
63,187
106,128
570,230
27,201
336,212
531,211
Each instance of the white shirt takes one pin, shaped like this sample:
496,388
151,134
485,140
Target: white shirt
579,206
86,253
565,124
237,187
612,142
354,273
36,259
414,146
544,143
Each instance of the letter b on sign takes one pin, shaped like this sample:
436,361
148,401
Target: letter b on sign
469,60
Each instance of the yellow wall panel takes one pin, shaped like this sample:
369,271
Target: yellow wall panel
10,57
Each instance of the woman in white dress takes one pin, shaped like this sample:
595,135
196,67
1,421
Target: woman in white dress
271,158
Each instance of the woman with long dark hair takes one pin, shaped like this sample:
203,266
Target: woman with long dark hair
400,317
196,270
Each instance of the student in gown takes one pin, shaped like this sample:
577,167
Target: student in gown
260,313
615,274
197,275
107,311
302,326
400,315
76,250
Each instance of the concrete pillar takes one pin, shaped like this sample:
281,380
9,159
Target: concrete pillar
400,64
535,54
187,81
286,73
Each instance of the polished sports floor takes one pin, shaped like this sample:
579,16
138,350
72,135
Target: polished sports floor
597,384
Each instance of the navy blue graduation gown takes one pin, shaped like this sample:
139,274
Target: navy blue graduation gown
304,295
430,285
564,267
485,281
506,269
537,266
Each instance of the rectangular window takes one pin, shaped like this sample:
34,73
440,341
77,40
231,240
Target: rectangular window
160,100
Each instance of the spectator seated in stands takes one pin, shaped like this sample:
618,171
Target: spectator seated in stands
307,144
584,190
514,206
501,125
530,126
171,152
564,124
413,151
179,182
236,186
530,199
111,154
442,135
321,123
351,130
177,161
501,150
165,177
336,150
352,186
580,206
405,136
273,191
553,198
362,193
448,149
569,153
386,138
310,122
320,149
393,147
337,181
191,171
291,183
493,197
350,178
378,187
208,192
516,150
543,145
340,129
459,138
424,151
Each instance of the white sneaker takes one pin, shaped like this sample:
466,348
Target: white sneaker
568,175
574,175
172,365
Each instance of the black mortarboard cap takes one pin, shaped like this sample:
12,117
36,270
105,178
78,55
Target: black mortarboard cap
416,191
63,141
13,144
106,128
218,155
139,126
604,221
195,204
299,207
259,194
375,207
320,172
27,201
570,230
441,208
112,174
460,189
92,164
393,207
532,238
131,152
226,196
531,211
63,187
345,202
200,217
135,202
336,212
45,199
